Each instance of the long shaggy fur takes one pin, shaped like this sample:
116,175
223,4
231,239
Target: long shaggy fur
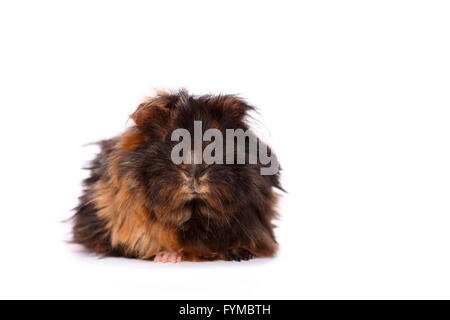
137,203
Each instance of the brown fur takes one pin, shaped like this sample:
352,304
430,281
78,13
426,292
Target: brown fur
137,203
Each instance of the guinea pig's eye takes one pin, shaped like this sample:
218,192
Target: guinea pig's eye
204,169
187,172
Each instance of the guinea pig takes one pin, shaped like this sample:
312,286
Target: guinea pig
140,203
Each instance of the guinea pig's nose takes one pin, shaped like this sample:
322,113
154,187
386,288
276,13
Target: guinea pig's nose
194,189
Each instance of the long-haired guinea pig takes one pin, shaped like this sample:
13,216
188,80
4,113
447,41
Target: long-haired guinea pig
140,203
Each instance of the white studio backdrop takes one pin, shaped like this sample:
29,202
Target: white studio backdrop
354,96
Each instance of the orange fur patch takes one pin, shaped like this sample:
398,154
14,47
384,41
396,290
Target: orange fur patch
131,140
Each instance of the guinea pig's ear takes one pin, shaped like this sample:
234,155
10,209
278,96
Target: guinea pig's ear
235,106
155,113
152,109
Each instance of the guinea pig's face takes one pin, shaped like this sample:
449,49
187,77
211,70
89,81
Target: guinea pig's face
173,187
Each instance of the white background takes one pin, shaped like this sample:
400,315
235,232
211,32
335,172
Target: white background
355,96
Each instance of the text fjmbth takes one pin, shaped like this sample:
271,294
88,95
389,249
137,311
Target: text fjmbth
227,309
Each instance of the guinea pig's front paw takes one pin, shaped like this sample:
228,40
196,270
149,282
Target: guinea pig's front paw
238,255
165,256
